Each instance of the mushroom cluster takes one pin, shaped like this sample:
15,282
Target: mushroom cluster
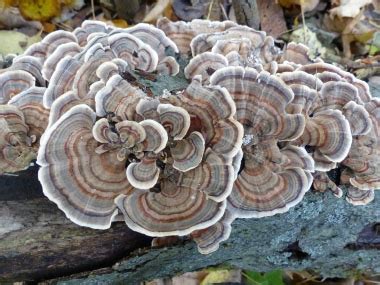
242,128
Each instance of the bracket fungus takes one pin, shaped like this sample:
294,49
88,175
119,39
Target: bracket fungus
244,131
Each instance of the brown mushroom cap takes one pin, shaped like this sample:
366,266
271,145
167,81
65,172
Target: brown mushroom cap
323,183
36,116
89,27
359,197
175,120
118,97
204,42
16,152
297,53
205,64
29,64
80,181
329,132
211,109
13,82
137,53
261,100
174,210
67,49
187,153
144,174
182,32
62,79
259,191
214,177
208,240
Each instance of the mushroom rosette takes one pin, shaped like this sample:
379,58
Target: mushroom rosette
181,128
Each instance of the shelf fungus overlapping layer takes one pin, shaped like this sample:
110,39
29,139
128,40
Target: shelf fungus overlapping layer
241,128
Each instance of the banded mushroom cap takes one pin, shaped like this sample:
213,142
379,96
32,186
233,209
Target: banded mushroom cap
47,46
261,100
205,64
297,53
204,42
13,82
305,88
70,99
31,65
16,151
363,158
329,133
89,27
322,183
359,197
212,111
29,102
181,33
208,239
118,97
175,210
66,49
321,67
264,188
82,182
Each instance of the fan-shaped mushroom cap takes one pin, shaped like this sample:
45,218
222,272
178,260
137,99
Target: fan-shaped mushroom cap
154,37
89,27
261,100
80,181
14,82
144,174
168,65
16,152
118,97
297,53
174,210
259,191
137,53
330,133
187,153
102,132
49,43
242,46
156,136
205,64
183,32
214,177
69,99
147,108
204,42
67,49
358,117
304,87
62,79
322,183
334,95
211,110
208,240
175,120
320,67
36,116
359,197
29,64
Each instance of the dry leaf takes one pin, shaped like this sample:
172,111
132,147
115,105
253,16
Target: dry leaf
40,10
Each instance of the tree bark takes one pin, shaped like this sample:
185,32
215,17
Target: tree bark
37,242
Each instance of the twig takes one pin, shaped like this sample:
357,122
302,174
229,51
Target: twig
93,9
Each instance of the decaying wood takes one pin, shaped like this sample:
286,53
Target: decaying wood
37,242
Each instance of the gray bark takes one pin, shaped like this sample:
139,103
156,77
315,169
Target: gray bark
322,233
37,242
